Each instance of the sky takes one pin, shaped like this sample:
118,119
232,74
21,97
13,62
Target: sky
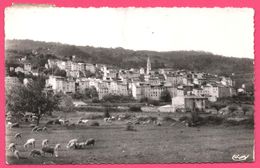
224,31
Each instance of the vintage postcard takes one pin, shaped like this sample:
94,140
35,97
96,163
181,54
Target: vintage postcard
129,85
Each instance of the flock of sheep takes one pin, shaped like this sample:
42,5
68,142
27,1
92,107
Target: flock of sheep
53,150
45,147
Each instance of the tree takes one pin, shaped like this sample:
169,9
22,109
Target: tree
91,93
218,105
66,104
77,95
232,108
89,74
31,98
59,72
245,109
165,96
108,108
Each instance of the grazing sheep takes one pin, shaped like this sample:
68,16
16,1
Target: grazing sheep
44,129
51,150
12,147
32,125
15,125
30,142
107,119
90,141
50,122
57,122
39,129
71,143
9,124
80,145
83,121
159,124
35,128
72,125
45,142
66,121
17,154
35,152
61,121
112,118
18,135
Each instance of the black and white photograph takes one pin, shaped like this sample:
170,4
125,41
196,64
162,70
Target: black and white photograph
128,85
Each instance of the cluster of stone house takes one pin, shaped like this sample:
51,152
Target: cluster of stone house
185,87
72,68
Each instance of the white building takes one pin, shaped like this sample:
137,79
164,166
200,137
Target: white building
60,84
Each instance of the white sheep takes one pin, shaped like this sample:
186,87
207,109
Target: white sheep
18,135
35,152
45,142
83,121
112,118
44,129
9,124
35,128
12,147
30,142
61,121
71,143
107,119
80,145
52,151
17,154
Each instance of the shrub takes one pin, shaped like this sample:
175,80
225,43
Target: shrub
232,108
184,118
126,116
147,118
213,120
130,127
113,98
93,116
218,105
245,109
154,102
168,118
106,114
144,100
135,108
94,123
95,100
165,96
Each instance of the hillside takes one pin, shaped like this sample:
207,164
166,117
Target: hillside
190,60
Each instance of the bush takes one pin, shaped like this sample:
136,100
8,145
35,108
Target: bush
77,96
93,116
113,98
213,120
184,118
130,127
106,114
95,100
144,100
245,109
168,119
147,118
135,108
94,123
125,116
232,108
154,102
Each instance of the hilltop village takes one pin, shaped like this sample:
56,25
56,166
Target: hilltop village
71,76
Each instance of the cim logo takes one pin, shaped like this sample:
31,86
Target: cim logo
238,157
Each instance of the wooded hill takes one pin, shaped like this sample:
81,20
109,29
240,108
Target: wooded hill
124,58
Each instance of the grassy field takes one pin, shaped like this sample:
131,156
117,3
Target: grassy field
169,143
